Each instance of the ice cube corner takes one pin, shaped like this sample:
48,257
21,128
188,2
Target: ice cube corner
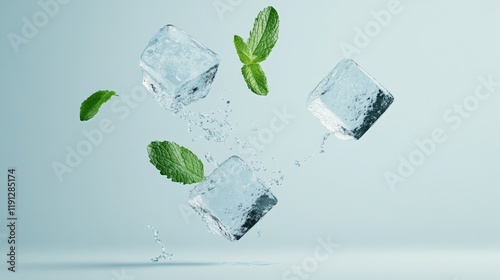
177,69
348,101
232,199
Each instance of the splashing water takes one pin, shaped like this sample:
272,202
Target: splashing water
322,146
257,165
210,159
216,126
273,178
299,163
276,179
212,127
164,255
326,136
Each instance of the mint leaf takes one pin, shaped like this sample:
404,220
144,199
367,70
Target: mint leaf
255,78
264,35
91,105
263,38
242,50
176,162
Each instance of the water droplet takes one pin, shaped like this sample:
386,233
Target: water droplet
214,125
322,146
164,255
210,159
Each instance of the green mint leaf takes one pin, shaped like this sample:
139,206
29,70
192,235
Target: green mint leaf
264,35
263,38
243,50
255,78
91,105
176,162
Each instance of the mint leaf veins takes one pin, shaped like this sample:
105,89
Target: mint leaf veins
255,78
176,162
264,35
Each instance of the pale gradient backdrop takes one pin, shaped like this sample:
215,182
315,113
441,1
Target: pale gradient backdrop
430,56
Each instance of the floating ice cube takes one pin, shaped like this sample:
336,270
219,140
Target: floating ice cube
349,101
177,68
232,199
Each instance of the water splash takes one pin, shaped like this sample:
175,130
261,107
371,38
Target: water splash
299,163
227,112
164,255
212,126
210,159
216,127
273,177
257,166
322,150
276,179
322,146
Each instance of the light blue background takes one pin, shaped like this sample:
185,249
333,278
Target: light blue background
429,57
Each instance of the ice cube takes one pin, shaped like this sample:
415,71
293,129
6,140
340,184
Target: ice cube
177,68
349,101
232,199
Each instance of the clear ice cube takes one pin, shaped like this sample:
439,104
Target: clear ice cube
349,101
232,199
177,68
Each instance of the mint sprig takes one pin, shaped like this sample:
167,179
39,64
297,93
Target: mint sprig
262,40
176,162
91,105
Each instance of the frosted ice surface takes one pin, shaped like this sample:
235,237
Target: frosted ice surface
177,68
232,199
349,101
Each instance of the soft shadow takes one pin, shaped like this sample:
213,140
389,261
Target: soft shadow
110,265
